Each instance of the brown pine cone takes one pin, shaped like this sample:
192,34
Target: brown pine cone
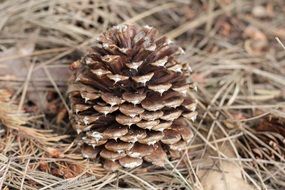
268,142
129,98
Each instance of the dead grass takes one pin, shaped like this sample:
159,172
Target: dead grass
237,58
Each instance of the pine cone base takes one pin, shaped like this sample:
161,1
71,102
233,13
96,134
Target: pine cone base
129,98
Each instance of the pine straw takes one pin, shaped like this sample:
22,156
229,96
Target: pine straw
235,90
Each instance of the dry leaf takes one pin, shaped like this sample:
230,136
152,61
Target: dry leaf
254,33
257,42
15,64
67,170
259,12
44,166
224,175
54,152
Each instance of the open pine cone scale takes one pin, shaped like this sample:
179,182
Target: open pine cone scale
129,98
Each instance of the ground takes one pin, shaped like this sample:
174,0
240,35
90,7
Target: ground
234,47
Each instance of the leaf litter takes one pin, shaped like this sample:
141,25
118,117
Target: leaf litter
236,54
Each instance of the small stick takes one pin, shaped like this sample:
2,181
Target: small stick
279,41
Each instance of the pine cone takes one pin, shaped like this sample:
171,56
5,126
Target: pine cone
268,142
129,98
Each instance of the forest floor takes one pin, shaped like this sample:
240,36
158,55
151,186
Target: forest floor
234,48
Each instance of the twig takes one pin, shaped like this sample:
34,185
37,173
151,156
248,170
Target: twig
25,88
24,175
279,41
